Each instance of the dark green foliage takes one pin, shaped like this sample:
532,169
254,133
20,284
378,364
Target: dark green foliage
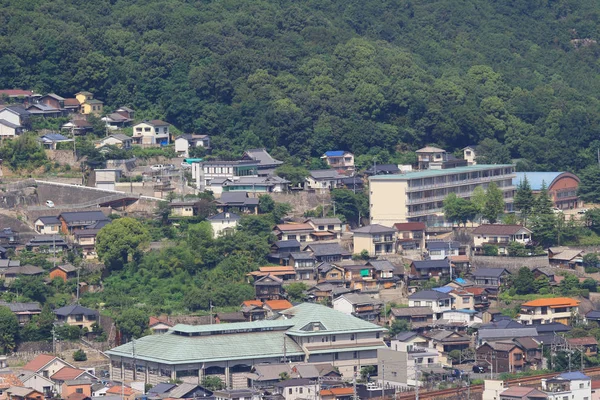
490,250
589,187
543,204
296,175
524,281
295,291
494,203
212,383
79,355
265,204
132,322
399,326
516,249
9,330
67,332
120,240
524,199
459,210
24,152
350,205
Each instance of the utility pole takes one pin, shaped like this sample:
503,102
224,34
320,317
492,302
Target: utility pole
382,379
355,396
78,285
416,381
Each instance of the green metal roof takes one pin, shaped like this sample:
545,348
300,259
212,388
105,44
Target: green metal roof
303,315
173,349
238,326
357,348
429,173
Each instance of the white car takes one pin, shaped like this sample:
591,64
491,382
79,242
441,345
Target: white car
157,167
582,211
49,204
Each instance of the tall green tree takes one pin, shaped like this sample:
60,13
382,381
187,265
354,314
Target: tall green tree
494,203
121,240
133,323
543,204
524,281
524,200
589,189
458,210
9,330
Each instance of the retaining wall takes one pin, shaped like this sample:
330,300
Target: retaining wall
510,263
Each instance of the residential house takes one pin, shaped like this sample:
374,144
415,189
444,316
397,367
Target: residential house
17,116
283,272
117,140
87,103
76,386
480,297
125,392
504,334
382,169
337,393
253,184
491,278
182,209
385,273
592,315
326,292
330,273
459,318
427,269
275,306
226,318
73,220
532,351
326,228
158,325
46,365
461,264
565,257
114,121
411,235
339,159
428,156
499,235
572,385
64,272
588,344
47,244
23,393
183,143
300,232
440,250
237,394
522,393
543,311
188,391
360,277
375,239
266,164
281,250
304,265
12,273
439,302
77,126
43,110
269,288
327,252
362,306
253,310
210,175
547,272
52,100
505,356
238,202
462,299
8,130
37,382
417,317
72,105
51,140
16,96
47,225
296,388
324,179
154,132
445,341
76,315
223,223
23,311
85,240
355,183
126,112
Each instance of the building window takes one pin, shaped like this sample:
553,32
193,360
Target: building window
333,338
355,354
465,300
79,390
377,335
321,227
290,391
301,390
336,356
352,337
291,237
417,304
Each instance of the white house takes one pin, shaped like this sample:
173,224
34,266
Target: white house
184,142
118,140
47,225
151,132
568,385
500,236
324,179
38,382
297,389
16,115
359,305
8,130
223,223
438,301
466,317
440,250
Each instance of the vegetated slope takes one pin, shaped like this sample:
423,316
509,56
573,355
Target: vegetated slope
312,75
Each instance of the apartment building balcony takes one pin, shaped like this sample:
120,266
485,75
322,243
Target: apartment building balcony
384,239
418,213
465,194
461,182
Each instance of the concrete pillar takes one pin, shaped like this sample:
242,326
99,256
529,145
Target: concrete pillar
227,377
200,375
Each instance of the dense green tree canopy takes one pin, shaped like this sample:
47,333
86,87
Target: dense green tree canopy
314,76
119,240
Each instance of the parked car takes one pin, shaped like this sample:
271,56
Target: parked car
479,369
49,204
157,167
582,211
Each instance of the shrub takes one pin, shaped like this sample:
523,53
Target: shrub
490,250
79,355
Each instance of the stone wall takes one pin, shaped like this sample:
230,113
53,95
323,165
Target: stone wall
302,201
63,157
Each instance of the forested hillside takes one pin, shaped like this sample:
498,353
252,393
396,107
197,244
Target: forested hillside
313,75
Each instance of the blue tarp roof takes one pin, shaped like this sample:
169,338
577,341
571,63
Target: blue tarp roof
444,289
536,178
55,137
460,280
335,153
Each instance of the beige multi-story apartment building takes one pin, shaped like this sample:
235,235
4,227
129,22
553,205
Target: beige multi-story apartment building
419,196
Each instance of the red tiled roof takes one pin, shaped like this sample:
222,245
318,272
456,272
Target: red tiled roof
475,290
127,391
278,304
409,226
337,392
67,373
294,227
37,363
257,303
71,102
583,341
8,380
15,92
157,320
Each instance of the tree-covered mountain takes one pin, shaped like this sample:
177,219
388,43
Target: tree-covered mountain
314,75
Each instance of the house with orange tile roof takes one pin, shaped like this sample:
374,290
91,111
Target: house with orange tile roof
69,374
7,381
300,232
544,311
337,393
159,325
285,272
23,393
274,306
128,393
76,386
46,365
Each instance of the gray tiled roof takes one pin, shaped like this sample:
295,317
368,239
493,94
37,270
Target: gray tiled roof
75,309
324,221
78,216
22,307
325,249
411,311
326,174
49,220
506,333
431,264
429,295
375,228
489,272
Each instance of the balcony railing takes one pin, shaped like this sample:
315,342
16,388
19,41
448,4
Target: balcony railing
461,182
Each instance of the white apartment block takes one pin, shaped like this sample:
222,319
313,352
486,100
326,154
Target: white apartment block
419,196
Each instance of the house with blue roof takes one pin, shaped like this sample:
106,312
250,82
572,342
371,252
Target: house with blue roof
562,187
339,159
568,385
51,140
